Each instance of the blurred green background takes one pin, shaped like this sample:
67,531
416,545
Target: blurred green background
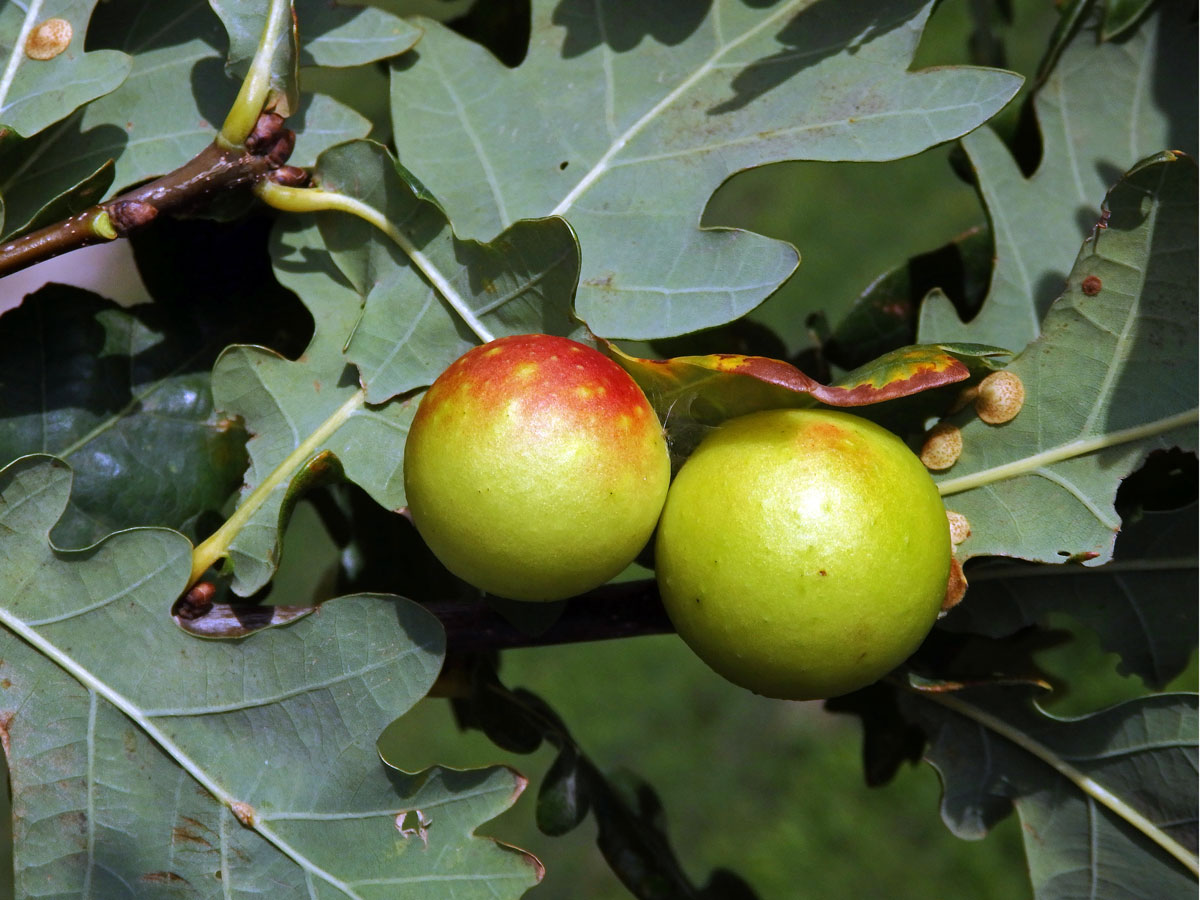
772,790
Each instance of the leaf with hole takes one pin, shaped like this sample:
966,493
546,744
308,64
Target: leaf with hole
248,767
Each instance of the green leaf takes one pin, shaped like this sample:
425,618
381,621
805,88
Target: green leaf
1103,109
1110,379
1121,15
329,33
884,315
44,72
167,111
297,410
244,767
123,396
1141,605
74,199
1142,752
350,34
652,107
271,23
521,282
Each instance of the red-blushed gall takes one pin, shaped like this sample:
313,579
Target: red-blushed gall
1001,396
48,39
535,468
803,553
960,528
943,446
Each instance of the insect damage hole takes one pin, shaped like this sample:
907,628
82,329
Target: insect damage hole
422,829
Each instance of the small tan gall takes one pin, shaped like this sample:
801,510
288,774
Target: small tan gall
48,39
942,448
1001,396
960,528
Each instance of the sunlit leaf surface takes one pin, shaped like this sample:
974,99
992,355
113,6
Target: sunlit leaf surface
652,107
1103,108
1110,379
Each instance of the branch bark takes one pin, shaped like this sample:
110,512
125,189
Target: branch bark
212,171
630,609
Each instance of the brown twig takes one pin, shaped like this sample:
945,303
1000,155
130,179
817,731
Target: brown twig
212,171
623,610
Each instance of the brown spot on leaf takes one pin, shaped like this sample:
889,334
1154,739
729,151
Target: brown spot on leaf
5,723
190,833
1091,285
48,39
164,878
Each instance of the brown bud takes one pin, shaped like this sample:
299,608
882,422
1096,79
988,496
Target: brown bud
282,148
48,39
266,131
960,528
1001,396
126,215
289,176
196,602
943,446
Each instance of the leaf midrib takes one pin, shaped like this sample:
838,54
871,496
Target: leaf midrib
14,60
97,687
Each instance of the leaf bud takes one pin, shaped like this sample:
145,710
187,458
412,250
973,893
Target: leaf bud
126,215
282,148
289,176
266,132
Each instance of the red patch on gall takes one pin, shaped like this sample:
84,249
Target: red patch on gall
566,381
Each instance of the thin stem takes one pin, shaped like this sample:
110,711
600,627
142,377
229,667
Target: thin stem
257,84
1070,450
290,199
1087,785
612,611
217,545
211,171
